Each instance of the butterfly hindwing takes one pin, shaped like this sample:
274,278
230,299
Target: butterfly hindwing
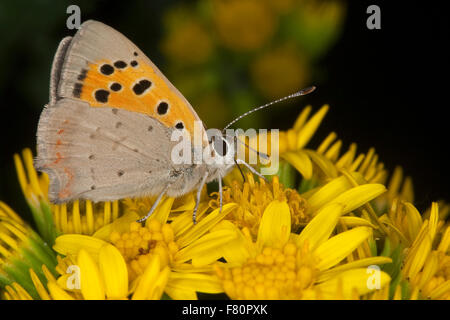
102,153
103,68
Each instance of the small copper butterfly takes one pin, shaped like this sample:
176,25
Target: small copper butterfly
106,132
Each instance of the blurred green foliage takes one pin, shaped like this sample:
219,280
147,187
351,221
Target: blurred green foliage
227,56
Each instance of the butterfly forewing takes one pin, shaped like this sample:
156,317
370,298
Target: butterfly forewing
104,68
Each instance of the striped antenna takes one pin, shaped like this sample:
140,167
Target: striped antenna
294,95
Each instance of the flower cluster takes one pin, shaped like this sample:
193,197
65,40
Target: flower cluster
328,225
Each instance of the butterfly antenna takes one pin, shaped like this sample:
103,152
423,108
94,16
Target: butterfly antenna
294,95
260,154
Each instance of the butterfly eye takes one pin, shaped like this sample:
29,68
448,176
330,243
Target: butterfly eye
220,146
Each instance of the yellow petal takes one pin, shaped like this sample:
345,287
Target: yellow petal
114,271
330,191
324,164
184,203
43,294
238,250
356,222
70,244
300,161
196,231
91,282
204,250
146,285
120,225
301,119
275,226
162,211
340,246
328,274
318,230
182,223
364,280
57,293
434,219
308,130
160,284
440,290
176,293
199,282
358,196
414,220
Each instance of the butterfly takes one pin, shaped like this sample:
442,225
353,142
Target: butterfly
106,131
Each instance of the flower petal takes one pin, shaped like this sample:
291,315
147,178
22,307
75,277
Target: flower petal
204,250
199,282
91,282
330,191
338,247
114,271
196,231
319,229
120,225
328,274
356,222
308,130
57,292
70,244
300,161
325,164
162,211
238,250
145,287
275,225
358,196
363,280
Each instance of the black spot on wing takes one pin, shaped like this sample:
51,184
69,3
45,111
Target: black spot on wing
82,75
107,69
120,64
77,90
101,95
115,86
179,125
142,86
162,108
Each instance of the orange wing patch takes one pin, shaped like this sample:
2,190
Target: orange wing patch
134,86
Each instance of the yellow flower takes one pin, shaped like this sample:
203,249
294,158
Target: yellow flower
328,159
427,262
185,251
279,72
281,265
254,197
21,251
35,189
243,25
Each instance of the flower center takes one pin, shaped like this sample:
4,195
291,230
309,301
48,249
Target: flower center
140,243
272,274
254,197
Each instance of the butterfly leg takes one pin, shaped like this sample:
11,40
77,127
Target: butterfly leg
197,200
154,205
239,161
220,194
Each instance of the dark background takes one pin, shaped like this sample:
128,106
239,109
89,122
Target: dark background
387,88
